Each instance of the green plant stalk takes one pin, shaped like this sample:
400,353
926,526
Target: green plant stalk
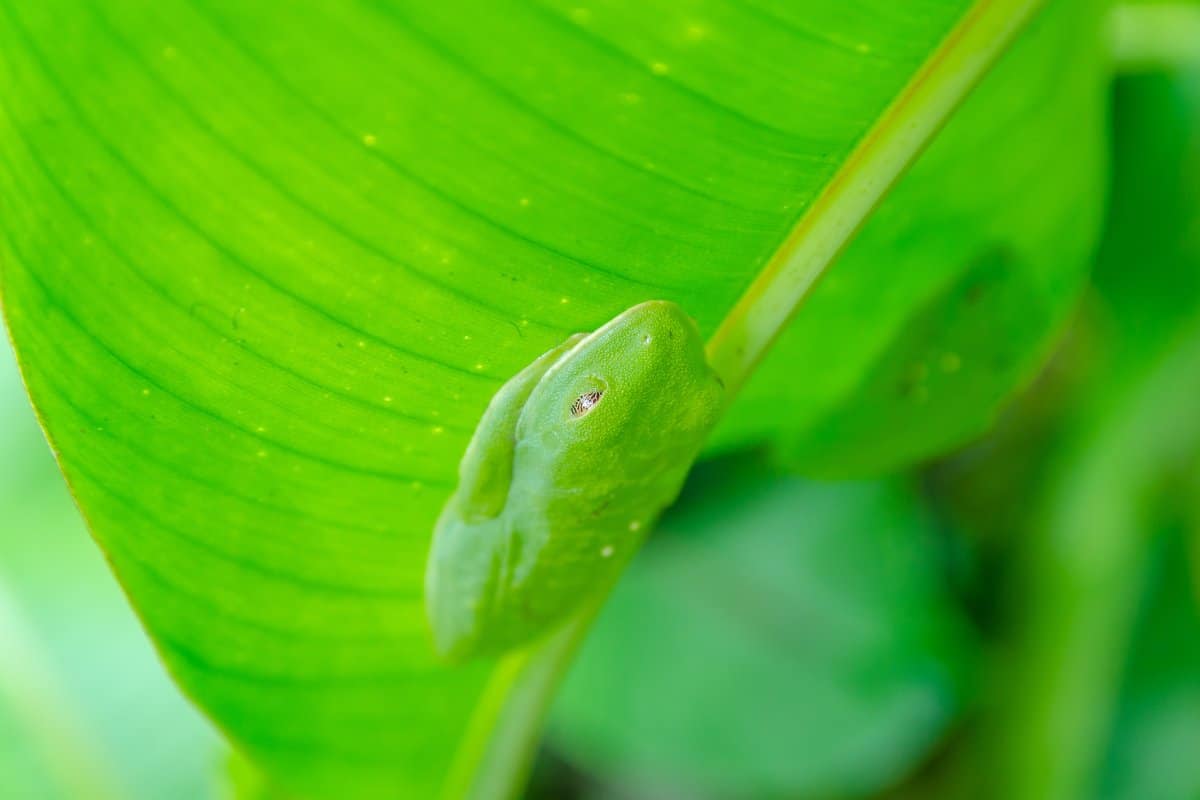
1080,584
494,758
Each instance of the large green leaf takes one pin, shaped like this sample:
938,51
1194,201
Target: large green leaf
810,619
264,265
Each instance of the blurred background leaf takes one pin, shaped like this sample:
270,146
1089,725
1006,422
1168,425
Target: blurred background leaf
777,637
1156,730
1084,493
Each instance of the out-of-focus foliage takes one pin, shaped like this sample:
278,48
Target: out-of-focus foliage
811,618
1155,733
1092,487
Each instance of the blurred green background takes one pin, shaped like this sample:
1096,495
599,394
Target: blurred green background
1021,618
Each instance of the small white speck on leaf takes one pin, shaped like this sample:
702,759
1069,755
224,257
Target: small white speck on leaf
635,525
607,551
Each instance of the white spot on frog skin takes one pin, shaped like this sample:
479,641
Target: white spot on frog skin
863,47
261,453
635,525
361,343
260,429
524,201
647,339
369,139
480,366
437,430
659,68
607,551
387,398
145,392
564,300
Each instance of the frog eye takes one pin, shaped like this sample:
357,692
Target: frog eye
585,403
